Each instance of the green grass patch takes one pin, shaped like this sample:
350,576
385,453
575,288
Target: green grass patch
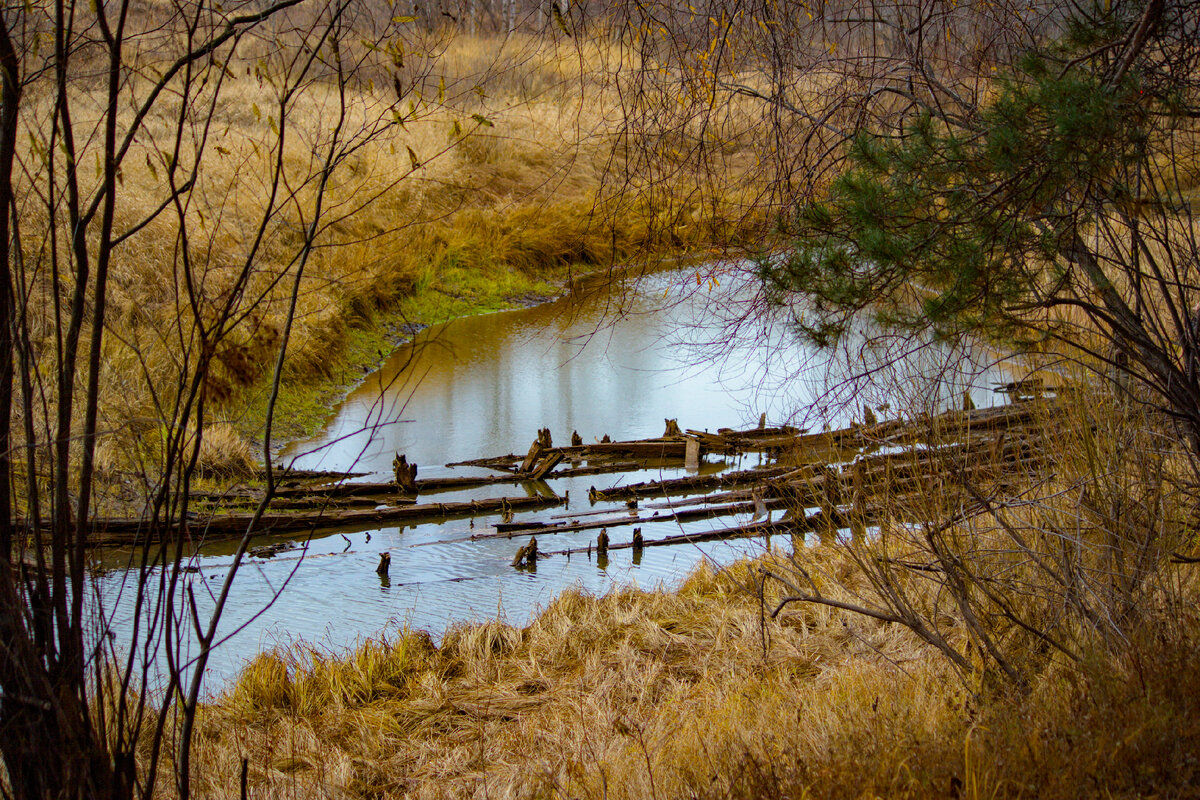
305,403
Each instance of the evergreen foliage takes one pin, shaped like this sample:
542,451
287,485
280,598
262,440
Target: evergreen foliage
976,218
1054,214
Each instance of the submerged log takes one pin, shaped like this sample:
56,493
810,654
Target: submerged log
312,496
813,522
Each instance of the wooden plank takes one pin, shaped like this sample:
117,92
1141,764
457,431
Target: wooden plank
535,450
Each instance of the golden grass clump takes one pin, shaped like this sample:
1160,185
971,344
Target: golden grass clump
224,453
693,694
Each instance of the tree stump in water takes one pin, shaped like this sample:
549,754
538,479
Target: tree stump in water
385,562
638,542
406,474
672,429
544,438
576,439
527,555
602,543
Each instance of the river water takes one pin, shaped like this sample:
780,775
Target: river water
615,361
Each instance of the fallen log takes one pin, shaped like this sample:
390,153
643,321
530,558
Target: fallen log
542,470
682,486
423,486
691,514
811,522
133,531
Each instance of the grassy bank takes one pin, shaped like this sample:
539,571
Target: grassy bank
694,694
469,277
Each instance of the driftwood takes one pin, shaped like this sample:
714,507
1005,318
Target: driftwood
817,522
542,470
682,486
344,493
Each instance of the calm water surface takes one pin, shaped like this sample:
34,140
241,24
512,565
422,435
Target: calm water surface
612,362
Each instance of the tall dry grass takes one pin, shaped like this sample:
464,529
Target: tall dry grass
700,692
493,187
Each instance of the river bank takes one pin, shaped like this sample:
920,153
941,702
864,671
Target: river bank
717,688
694,693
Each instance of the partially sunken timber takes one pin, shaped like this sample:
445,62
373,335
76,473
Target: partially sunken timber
840,472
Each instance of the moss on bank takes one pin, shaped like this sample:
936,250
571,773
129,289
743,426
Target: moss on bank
477,261
306,402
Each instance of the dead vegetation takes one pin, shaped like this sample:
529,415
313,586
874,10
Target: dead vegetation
705,692
494,188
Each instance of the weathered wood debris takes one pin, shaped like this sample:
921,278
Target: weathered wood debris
216,526
847,475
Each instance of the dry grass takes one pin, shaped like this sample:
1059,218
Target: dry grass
699,692
654,694
224,454
438,217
